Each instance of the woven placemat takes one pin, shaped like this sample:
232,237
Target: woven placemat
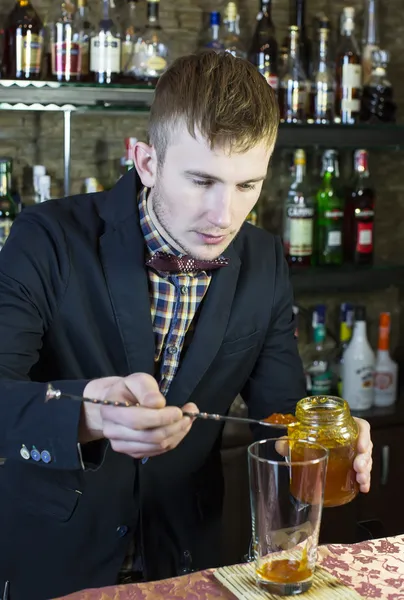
240,581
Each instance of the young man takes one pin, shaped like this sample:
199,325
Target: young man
160,295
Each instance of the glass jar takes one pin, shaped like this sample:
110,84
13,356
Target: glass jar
327,421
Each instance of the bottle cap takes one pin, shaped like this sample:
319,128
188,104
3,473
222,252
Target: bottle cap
300,157
360,313
319,314
215,17
384,331
231,11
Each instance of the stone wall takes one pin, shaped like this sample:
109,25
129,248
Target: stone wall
98,140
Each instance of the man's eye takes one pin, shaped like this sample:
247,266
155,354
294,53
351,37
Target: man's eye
247,186
202,182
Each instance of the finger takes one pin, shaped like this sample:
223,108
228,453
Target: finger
140,418
190,407
364,439
362,462
145,389
158,436
136,450
365,488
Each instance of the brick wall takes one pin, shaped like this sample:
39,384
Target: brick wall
97,140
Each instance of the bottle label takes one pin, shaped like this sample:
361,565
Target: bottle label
66,59
384,380
352,76
364,243
363,391
5,226
321,383
334,239
29,52
155,65
273,81
105,54
301,232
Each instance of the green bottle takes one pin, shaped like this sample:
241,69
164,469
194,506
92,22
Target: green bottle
8,208
330,214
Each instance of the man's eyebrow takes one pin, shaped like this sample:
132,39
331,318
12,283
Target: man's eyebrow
204,175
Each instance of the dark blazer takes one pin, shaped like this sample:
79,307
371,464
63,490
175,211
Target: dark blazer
74,305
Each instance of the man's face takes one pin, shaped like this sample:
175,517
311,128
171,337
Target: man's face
201,197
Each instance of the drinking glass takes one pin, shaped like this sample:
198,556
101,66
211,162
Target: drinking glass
287,479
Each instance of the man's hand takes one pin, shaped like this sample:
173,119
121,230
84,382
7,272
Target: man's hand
147,429
363,460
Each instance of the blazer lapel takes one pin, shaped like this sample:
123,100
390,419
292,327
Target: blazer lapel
209,332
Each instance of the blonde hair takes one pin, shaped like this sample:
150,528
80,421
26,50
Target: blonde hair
223,97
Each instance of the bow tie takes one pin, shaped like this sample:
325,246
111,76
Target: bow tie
170,263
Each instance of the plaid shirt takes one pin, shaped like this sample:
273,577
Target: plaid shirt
174,300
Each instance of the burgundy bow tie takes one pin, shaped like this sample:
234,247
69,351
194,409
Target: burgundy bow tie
170,263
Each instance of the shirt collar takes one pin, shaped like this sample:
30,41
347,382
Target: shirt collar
154,240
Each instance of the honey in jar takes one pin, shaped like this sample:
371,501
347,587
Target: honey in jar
285,571
327,421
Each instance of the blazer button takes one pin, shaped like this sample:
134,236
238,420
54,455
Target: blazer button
46,457
24,452
35,455
122,530
144,460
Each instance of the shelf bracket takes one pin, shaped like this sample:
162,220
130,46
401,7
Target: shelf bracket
67,115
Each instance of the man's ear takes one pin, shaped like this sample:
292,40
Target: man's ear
146,163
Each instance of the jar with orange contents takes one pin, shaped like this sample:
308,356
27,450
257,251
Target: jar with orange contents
327,421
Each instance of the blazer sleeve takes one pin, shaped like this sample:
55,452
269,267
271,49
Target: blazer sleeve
34,273
277,381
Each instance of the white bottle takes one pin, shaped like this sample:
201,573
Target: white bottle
386,370
358,366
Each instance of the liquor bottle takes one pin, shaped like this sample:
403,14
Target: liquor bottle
360,214
322,94
214,39
82,36
297,12
370,38
345,334
152,50
231,38
44,188
64,49
264,47
386,369
293,88
330,214
130,37
8,209
23,43
105,52
317,363
359,365
377,98
349,71
299,217
38,171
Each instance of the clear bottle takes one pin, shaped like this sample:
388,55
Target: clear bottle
293,89
345,334
318,357
105,53
322,94
8,208
299,217
214,35
327,421
23,43
264,47
330,214
152,49
64,46
370,38
349,71
377,98
359,366
386,369
231,38
360,213
297,17
131,35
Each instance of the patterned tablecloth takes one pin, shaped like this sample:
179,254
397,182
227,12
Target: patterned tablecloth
375,569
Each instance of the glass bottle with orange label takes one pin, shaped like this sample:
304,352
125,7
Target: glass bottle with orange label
386,369
327,421
23,43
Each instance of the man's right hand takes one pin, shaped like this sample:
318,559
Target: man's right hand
147,429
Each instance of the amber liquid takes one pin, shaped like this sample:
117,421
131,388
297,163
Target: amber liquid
285,571
23,43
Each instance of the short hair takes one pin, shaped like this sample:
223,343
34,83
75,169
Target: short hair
223,97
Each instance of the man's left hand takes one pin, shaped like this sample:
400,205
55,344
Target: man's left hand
363,460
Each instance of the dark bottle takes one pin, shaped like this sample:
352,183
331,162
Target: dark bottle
297,17
23,43
8,208
349,71
322,93
359,214
105,50
264,47
330,214
377,99
293,88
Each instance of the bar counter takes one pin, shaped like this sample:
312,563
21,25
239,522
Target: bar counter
374,569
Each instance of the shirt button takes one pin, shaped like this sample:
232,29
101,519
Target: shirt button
183,290
172,350
122,530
